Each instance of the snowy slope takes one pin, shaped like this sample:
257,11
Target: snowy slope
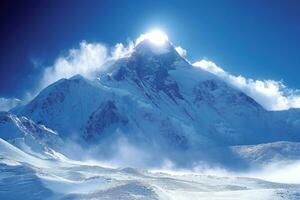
65,105
262,154
26,177
159,102
26,134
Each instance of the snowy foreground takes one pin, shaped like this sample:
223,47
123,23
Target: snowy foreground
25,176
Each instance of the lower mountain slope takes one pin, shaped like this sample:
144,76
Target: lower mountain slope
157,101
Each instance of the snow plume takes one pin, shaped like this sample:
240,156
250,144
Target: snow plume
181,51
121,51
129,155
90,59
277,172
121,150
86,60
115,152
282,172
8,103
271,94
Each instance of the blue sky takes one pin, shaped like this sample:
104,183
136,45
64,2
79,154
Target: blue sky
258,39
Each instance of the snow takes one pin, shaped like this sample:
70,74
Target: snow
167,88
269,152
26,134
149,110
69,179
160,103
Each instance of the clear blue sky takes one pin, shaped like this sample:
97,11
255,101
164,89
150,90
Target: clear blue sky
258,38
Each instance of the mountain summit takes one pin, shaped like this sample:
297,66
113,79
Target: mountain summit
157,101
148,48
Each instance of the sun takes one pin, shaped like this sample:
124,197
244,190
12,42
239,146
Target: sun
156,37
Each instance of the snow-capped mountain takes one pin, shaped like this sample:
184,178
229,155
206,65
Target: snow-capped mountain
156,99
27,135
151,107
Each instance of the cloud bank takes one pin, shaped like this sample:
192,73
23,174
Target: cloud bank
271,94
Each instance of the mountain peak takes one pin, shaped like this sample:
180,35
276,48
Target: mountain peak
147,47
149,60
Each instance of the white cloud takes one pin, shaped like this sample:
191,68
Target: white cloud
271,94
8,103
87,60
121,51
181,51
91,58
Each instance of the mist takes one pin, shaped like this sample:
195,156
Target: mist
122,152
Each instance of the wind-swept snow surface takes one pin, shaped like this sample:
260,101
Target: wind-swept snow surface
26,177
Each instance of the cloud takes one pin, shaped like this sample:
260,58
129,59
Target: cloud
121,51
89,59
181,51
271,94
8,103
86,60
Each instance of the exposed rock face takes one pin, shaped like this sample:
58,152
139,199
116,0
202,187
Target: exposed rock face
105,116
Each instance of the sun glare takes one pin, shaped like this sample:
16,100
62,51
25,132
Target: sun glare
157,37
